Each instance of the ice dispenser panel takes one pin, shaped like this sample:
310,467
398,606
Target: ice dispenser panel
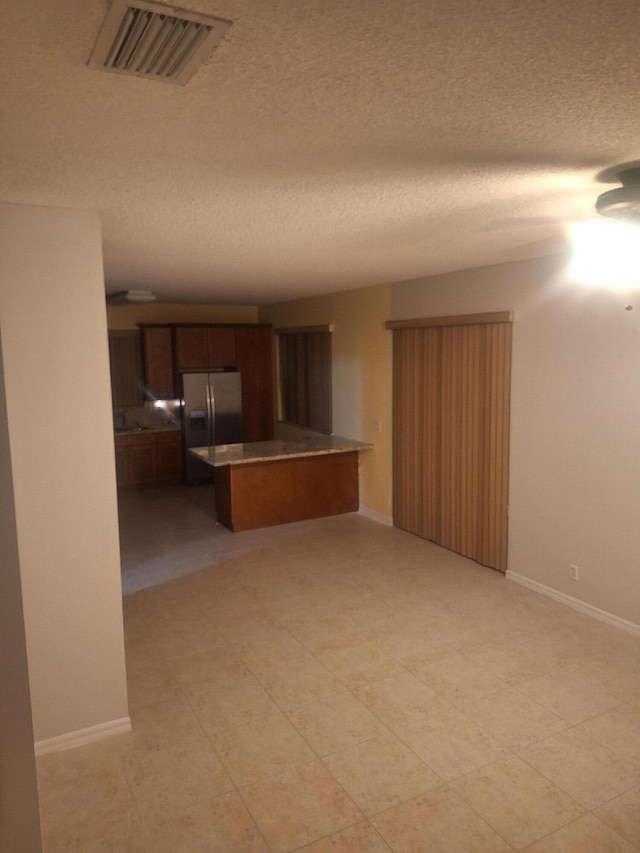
197,420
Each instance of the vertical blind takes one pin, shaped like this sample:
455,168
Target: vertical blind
304,357
451,385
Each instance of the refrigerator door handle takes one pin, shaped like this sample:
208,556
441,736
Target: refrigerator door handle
211,406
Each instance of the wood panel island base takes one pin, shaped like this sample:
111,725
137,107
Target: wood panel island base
276,482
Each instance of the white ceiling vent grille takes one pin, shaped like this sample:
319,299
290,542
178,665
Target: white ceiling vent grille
154,41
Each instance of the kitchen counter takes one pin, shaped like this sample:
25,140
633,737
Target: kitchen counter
269,451
143,430
262,483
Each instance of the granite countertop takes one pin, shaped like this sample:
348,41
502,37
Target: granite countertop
143,430
268,451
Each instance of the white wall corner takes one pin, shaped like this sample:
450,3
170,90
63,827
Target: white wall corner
375,516
82,737
575,603
52,292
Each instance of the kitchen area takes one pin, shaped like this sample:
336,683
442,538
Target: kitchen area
168,528
149,369
193,403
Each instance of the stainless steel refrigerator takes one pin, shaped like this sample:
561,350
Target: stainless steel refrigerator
211,414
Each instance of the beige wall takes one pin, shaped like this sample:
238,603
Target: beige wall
128,316
19,814
56,371
361,353
575,415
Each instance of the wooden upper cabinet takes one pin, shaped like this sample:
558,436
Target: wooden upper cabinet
170,348
126,369
157,350
200,347
254,348
192,350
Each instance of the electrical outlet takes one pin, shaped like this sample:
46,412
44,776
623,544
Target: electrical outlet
376,426
573,572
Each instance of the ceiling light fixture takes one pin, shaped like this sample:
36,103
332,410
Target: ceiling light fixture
124,296
606,253
623,202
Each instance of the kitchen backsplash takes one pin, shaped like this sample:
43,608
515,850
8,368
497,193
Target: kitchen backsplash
148,415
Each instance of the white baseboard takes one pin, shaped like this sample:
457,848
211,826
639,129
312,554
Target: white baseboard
81,737
375,516
575,603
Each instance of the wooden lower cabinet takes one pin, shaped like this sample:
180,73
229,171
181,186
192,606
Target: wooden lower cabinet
280,491
168,457
147,459
122,459
142,460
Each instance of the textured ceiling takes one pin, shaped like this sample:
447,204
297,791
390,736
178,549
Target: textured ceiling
326,144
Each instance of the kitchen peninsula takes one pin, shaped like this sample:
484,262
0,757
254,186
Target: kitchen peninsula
258,484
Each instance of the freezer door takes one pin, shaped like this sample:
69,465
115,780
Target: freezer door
226,405
196,425
212,414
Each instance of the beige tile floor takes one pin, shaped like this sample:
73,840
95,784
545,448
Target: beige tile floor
338,685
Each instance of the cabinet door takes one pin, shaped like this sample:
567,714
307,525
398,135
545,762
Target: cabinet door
201,347
126,369
168,457
142,460
254,345
122,460
221,342
192,347
157,352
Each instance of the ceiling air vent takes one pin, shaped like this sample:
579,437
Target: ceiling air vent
157,42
